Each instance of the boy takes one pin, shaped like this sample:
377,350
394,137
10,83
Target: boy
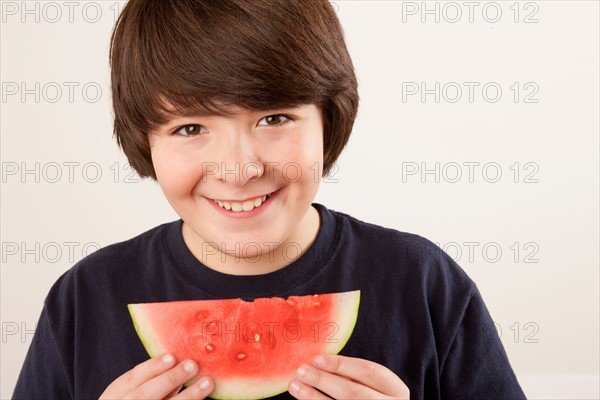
235,107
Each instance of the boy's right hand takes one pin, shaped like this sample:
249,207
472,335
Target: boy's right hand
159,378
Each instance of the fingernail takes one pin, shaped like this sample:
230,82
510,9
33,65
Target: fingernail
189,366
204,384
301,371
168,358
319,360
295,387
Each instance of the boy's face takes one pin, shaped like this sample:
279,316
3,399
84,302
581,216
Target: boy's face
237,161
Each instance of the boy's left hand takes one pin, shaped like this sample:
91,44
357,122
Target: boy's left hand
341,377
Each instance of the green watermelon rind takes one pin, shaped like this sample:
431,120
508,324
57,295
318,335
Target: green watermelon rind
228,389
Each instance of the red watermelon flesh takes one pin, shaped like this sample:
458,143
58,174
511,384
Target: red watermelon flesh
250,349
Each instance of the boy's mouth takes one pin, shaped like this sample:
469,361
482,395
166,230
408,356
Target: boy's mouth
247,205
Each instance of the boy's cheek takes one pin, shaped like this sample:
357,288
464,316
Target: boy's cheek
173,166
306,152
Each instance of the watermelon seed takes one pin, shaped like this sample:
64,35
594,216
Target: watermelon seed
241,356
316,304
209,348
256,337
202,315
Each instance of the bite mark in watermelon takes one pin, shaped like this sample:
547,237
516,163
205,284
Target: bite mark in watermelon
250,349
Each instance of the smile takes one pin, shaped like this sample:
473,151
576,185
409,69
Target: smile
247,205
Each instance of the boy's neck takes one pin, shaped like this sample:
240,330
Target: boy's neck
305,235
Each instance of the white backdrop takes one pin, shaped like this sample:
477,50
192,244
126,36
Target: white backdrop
478,129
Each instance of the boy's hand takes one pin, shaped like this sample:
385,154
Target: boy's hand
342,377
159,378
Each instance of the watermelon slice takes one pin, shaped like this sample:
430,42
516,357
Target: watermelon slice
250,349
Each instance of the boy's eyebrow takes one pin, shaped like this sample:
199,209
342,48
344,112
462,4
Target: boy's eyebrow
190,114
173,116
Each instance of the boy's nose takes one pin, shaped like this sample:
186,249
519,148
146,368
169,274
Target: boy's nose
240,164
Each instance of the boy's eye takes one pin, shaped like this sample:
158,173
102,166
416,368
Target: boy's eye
274,120
189,130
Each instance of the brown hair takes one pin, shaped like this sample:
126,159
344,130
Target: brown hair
201,55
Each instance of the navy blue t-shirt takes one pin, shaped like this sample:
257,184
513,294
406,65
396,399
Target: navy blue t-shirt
420,315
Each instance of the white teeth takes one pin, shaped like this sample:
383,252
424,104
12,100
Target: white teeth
248,205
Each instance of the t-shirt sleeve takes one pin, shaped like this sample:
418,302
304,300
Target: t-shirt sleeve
42,375
477,366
